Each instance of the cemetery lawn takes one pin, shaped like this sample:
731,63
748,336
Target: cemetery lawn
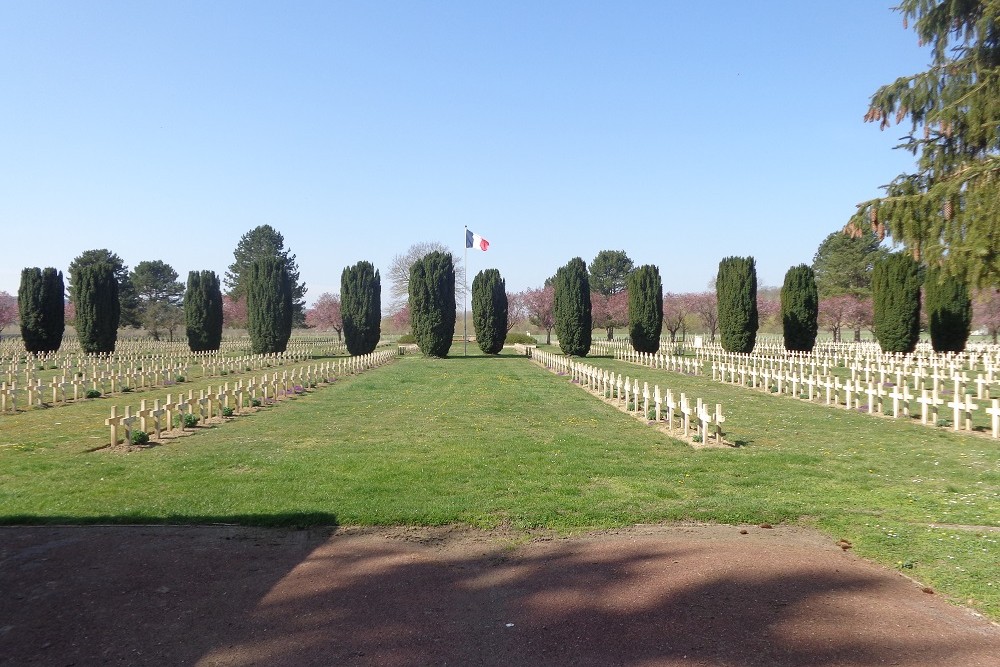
501,442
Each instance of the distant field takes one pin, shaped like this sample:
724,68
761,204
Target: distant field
500,441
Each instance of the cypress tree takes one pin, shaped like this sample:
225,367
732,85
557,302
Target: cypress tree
203,311
489,310
361,307
269,305
645,308
571,307
432,303
896,292
800,308
949,311
42,308
736,294
98,309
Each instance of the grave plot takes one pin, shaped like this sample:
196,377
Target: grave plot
695,422
34,381
230,399
938,387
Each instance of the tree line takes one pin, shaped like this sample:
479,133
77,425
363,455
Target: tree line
838,290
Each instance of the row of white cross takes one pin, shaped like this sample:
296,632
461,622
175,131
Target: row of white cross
655,406
114,376
871,396
11,348
154,416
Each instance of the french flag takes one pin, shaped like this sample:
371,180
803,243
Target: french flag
476,241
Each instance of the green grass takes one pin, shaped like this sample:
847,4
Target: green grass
502,442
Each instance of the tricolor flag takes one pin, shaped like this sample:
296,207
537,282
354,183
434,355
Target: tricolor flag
476,241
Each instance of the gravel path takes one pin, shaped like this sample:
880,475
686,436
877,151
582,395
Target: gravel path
648,595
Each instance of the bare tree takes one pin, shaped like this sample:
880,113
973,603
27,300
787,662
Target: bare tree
399,272
706,306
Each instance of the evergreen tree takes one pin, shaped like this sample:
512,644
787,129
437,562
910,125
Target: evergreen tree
269,305
843,264
361,307
97,307
946,212
432,303
489,310
645,308
265,241
203,311
896,290
42,308
736,292
128,298
949,311
571,307
800,308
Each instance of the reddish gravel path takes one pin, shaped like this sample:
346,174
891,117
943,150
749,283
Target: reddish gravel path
650,595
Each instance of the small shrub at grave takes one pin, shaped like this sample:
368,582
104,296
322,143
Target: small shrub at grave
93,393
187,420
140,438
227,412
179,378
126,390
255,403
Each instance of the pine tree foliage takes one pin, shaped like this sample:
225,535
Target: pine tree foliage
265,241
843,264
609,272
98,308
896,291
645,308
432,303
128,298
736,293
800,308
572,308
946,212
489,310
203,311
42,308
269,305
949,311
361,307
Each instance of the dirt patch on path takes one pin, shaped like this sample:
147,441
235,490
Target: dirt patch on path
648,595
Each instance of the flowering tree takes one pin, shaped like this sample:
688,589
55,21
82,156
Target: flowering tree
517,309
234,312
846,311
706,306
539,306
675,310
986,311
608,312
860,315
70,310
769,309
8,310
325,314
400,319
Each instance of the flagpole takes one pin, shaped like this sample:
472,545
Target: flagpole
465,292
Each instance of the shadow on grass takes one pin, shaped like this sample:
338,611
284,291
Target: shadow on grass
280,520
251,596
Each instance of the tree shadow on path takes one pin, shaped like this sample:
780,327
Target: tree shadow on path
453,597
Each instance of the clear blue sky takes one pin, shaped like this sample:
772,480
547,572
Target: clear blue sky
679,132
